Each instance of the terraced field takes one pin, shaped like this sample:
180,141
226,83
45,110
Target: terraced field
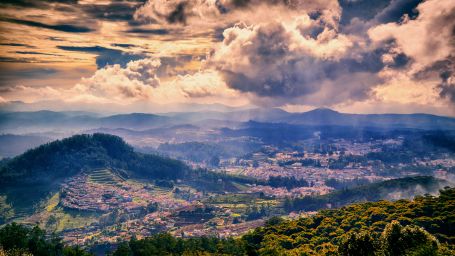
104,176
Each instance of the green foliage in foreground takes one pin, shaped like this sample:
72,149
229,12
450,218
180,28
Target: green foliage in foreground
325,231
424,226
19,240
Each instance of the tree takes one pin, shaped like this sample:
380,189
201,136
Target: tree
123,250
6,210
396,240
357,244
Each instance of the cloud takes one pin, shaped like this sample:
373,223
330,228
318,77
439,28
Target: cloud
207,83
123,45
148,31
447,75
395,11
31,94
135,81
111,84
305,60
17,44
378,11
436,21
40,4
58,27
138,82
298,53
36,53
268,52
106,56
114,11
428,41
219,13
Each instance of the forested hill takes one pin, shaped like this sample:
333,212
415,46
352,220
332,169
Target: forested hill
66,157
324,232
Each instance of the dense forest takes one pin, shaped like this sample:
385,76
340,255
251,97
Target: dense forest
66,157
423,226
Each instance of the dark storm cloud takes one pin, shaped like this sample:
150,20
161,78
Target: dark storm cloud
371,61
362,9
264,61
25,60
54,38
181,11
40,4
106,56
178,14
382,11
59,27
17,44
124,45
37,53
115,11
148,31
397,9
448,85
445,70
14,60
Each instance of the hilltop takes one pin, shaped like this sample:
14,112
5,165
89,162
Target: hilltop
66,157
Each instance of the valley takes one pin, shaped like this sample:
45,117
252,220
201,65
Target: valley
101,187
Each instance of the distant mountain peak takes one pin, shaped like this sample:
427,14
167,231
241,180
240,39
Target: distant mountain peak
323,110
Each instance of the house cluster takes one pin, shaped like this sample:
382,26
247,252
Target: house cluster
292,193
80,193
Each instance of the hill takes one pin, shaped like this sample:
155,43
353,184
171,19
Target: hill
11,121
324,116
51,120
66,157
134,120
29,180
328,117
32,176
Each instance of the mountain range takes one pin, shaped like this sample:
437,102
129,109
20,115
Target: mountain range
26,121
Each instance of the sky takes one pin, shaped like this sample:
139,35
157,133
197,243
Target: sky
356,56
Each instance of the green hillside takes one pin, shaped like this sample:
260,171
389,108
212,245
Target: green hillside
104,176
66,157
29,178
